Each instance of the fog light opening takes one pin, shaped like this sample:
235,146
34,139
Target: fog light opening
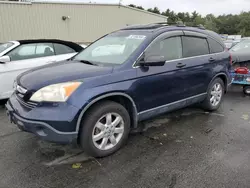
40,131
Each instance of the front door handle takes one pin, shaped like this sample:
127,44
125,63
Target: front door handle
180,65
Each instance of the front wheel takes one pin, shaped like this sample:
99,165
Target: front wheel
105,129
215,94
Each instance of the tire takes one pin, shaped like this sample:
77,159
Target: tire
101,112
213,104
246,90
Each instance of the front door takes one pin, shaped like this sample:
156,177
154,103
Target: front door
158,86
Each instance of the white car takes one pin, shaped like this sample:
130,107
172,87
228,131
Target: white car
19,56
83,45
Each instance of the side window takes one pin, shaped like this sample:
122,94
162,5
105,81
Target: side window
44,49
170,48
30,51
62,49
194,46
214,46
25,51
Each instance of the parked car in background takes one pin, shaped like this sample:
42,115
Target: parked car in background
230,43
83,45
241,54
124,77
19,56
245,38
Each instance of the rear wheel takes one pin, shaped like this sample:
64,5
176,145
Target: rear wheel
246,90
215,94
105,129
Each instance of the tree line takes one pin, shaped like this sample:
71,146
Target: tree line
223,24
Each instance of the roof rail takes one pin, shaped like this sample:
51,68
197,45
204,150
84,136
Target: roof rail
180,24
145,26
200,26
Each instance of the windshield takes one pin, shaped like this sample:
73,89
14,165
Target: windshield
242,46
5,46
112,49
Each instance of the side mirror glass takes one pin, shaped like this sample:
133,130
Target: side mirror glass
4,59
154,60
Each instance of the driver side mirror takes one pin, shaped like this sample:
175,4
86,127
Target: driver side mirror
4,59
154,60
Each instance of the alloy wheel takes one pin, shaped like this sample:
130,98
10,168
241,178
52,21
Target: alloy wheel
216,94
108,131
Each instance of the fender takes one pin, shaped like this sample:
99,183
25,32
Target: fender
220,74
135,114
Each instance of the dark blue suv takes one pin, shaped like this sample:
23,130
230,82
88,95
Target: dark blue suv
127,76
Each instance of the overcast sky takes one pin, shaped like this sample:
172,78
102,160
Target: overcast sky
202,6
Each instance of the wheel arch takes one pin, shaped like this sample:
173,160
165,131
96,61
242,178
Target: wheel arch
118,97
222,76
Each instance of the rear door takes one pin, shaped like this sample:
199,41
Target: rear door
23,58
197,60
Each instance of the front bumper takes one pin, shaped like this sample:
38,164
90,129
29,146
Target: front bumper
49,126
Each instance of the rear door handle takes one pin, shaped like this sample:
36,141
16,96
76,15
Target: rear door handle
211,59
180,65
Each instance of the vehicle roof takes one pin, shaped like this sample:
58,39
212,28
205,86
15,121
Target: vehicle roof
73,45
164,27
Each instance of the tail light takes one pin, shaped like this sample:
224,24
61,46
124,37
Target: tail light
241,70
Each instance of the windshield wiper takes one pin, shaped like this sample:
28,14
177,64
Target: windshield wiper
86,62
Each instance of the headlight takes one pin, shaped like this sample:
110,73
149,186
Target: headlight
55,93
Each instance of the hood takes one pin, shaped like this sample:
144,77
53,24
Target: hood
240,56
64,71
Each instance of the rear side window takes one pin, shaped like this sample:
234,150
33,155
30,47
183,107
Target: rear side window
215,47
44,49
62,49
194,46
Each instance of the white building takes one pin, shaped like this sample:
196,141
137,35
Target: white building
79,22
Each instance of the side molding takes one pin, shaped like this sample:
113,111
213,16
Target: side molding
170,106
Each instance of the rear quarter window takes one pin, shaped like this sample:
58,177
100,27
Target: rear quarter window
63,49
215,47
